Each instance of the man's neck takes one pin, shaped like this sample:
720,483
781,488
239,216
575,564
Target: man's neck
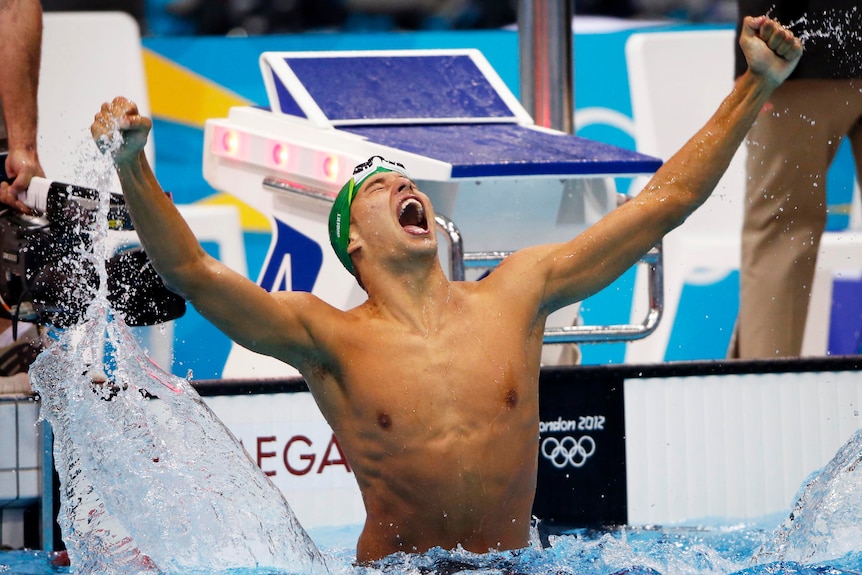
409,298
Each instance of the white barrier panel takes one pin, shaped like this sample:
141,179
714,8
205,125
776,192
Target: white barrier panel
20,465
731,446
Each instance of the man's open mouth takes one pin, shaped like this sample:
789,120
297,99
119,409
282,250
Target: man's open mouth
411,216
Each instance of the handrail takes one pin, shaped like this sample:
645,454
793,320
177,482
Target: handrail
575,333
457,257
282,185
460,260
622,332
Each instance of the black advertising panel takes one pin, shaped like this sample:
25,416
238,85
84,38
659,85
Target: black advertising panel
582,449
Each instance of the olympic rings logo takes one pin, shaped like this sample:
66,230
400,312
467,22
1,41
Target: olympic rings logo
568,450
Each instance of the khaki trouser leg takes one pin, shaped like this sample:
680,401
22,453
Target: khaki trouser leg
790,149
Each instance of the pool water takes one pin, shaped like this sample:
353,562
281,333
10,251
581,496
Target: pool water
680,550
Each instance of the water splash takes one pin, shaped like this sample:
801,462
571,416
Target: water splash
631,551
836,31
826,521
151,480
823,534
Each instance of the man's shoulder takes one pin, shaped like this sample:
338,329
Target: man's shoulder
302,299
522,265
519,278
16,355
317,315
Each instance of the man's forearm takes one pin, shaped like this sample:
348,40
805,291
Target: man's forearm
169,242
687,178
20,52
691,174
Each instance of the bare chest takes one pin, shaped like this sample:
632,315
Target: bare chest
455,377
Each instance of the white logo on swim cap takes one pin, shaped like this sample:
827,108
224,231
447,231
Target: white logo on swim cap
374,163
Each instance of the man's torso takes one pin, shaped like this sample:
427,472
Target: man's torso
441,426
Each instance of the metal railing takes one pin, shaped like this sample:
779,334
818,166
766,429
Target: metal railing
459,261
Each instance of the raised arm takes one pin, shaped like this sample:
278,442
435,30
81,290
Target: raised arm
273,324
594,259
20,54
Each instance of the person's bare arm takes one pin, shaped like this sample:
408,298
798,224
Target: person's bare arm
20,54
594,259
274,324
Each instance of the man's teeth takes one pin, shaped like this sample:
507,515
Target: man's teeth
411,203
412,213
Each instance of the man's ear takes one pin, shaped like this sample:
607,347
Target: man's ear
354,241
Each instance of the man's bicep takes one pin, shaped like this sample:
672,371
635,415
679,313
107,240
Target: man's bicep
293,326
268,323
593,260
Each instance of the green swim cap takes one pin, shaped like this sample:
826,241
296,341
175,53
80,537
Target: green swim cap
339,216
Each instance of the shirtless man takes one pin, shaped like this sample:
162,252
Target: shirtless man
430,385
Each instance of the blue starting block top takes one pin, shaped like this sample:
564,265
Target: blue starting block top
489,150
447,105
388,87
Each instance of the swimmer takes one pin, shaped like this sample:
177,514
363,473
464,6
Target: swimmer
431,386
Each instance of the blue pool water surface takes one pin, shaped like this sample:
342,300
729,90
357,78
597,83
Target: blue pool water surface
715,549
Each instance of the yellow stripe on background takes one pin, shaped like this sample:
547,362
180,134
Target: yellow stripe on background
179,95
250,219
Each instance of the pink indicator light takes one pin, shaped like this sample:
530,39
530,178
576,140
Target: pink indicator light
230,142
280,155
330,168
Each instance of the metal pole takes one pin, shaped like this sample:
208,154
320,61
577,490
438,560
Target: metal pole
547,62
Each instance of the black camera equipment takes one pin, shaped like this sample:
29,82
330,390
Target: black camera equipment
45,277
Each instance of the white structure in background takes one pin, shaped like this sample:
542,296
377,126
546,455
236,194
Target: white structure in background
668,108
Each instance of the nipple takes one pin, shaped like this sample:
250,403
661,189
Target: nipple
384,421
511,399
